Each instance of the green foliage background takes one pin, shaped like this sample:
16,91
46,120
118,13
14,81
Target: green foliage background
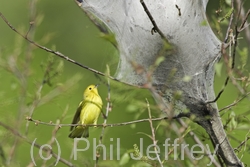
65,28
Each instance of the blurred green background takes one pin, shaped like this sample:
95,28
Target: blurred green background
63,27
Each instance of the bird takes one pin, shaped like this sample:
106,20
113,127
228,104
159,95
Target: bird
87,112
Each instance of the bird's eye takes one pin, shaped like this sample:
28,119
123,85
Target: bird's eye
90,88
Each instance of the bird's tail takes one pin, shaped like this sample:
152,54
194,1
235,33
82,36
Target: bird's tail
79,132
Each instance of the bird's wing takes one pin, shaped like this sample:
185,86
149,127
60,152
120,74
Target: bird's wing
77,115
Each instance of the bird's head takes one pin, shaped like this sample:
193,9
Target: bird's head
91,90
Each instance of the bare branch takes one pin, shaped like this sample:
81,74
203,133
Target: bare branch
244,21
37,122
108,109
242,16
153,134
60,54
37,97
230,22
155,28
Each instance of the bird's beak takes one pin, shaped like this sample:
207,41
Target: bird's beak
96,85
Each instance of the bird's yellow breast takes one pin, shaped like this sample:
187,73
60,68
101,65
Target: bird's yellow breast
91,110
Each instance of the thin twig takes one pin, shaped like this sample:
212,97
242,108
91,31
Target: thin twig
108,109
239,141
181,139
23,77
220,92
59,89
52,140
153,134
38,122
225,59
198,141
234,41
244,19
46,80
230,22
54,132
242,143
234,103
60,54
155,28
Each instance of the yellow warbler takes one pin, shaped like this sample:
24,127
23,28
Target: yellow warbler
87,112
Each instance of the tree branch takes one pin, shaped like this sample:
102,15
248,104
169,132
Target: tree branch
59,54
153,134
38,122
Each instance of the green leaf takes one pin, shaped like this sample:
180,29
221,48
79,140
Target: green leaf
186,131
204,23
218,67
228,14
233,122
133,126
228,2
109,37
60,66
177,95
159,60
243,56
186,78
141,164
124,159
132,108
